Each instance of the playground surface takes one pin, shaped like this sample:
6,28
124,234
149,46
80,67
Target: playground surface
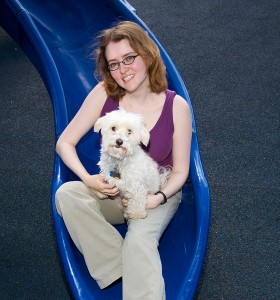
228,54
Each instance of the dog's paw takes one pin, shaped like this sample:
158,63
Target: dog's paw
121,185
135,215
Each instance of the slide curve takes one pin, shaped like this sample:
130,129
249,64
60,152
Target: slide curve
58,36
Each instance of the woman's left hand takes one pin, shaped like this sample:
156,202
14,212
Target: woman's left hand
153,201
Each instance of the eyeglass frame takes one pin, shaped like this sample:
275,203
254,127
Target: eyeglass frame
123,62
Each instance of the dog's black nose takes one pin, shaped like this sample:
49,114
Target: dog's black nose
119,142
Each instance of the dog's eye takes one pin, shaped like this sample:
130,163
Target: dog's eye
129,131
113,128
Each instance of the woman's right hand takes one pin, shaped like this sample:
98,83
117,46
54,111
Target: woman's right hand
99,184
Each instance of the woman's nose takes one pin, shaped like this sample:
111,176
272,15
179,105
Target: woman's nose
122,68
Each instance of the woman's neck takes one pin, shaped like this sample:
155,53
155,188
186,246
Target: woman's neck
149,105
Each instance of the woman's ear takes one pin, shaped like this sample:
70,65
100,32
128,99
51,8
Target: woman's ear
98,124
145,136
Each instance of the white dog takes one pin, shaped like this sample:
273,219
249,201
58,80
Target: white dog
137,173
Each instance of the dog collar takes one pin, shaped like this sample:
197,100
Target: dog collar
115,174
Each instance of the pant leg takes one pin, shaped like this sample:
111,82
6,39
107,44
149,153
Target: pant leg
87,221
142,269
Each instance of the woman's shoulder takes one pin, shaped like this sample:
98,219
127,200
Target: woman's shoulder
97,96
93,103
98,91
181,109
180,103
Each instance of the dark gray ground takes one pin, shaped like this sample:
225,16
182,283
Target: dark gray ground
228,53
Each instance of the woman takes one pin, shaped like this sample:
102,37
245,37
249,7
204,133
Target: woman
133,78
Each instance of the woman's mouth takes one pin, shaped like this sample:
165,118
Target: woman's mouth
127,78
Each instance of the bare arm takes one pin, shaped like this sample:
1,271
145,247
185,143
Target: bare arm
77,128
181,152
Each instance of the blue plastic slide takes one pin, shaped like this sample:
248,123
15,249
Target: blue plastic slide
58,37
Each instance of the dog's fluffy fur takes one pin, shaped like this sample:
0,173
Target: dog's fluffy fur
122,133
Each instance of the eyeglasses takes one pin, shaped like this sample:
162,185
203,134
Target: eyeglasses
127,61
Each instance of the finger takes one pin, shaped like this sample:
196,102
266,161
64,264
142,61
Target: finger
108,186
111,192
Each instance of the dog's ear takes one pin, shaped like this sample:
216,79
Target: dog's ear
98,124
145,136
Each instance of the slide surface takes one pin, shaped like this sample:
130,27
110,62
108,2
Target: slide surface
58,37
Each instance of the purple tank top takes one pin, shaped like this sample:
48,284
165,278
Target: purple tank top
161,135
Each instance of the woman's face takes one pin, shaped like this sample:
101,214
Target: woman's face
132,77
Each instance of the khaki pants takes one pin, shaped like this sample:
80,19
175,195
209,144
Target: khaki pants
107,255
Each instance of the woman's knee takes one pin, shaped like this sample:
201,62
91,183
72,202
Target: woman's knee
70,187
135,241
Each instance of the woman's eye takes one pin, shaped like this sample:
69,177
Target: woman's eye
128,59
113,65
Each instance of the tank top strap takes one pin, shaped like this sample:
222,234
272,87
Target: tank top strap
168,105
109,105
166,116
170,96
